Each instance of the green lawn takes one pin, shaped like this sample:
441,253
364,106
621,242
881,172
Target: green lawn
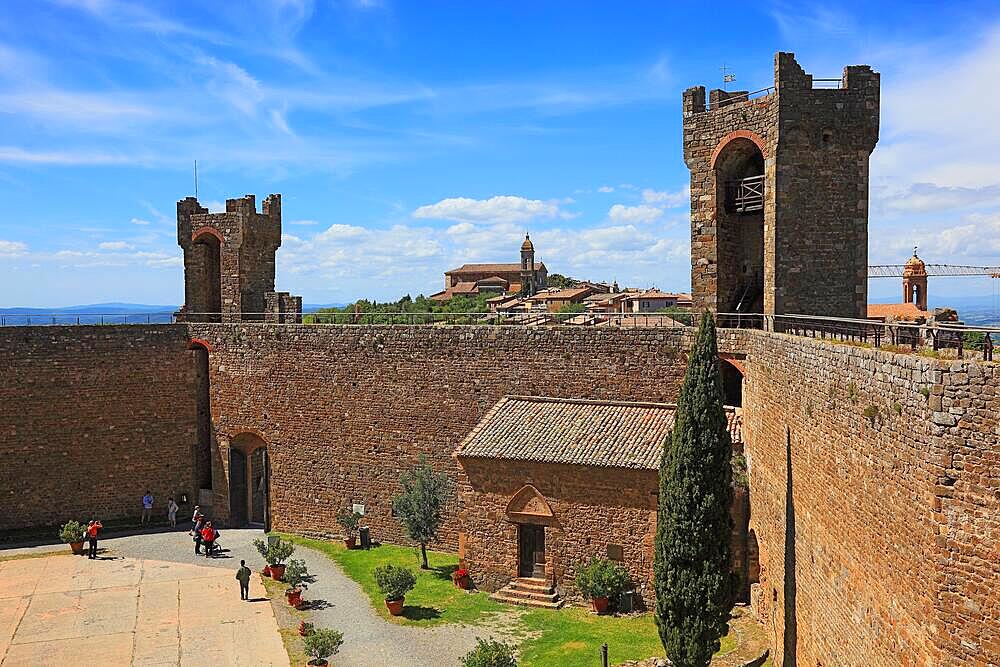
434,600
568,636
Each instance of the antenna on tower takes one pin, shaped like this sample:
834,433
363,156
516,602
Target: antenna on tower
195,179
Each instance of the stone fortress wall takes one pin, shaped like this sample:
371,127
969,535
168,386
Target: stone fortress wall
91,417
881,547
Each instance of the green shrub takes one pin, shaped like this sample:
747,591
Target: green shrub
394,582
490,654
72,531
274,554
739,464
349,520
601,578
871,413
321,644
295,573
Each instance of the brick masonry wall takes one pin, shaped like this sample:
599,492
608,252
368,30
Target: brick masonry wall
91,417
592,508
891,519
345,410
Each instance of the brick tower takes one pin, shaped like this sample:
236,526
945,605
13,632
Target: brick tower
915,282
528,284
229,262
779,192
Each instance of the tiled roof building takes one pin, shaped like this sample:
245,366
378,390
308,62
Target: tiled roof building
473,279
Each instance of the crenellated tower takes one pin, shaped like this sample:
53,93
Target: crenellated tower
779,192
229,262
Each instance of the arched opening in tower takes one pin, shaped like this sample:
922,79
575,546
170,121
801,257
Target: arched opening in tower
740,197
249,481
206,265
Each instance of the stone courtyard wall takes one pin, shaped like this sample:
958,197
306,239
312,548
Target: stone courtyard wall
874,495
874,477
91,417
346,409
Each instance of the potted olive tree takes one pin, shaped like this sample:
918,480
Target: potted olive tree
349,520
321,644
275,553
600,580
394,583
295,575
72,533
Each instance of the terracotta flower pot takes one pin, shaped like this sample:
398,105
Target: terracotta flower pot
600,604
294,597
318,662
395,607
278,572
350,542
77,547
266,571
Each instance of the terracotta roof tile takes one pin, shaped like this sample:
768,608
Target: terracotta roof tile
491,268
896,311
582,432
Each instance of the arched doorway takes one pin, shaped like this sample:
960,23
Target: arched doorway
203,447
249,481
206,268
740,200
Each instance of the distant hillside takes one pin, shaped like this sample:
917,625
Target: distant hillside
106,313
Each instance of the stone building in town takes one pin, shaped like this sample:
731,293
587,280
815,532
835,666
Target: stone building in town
779,192
229,262
526,277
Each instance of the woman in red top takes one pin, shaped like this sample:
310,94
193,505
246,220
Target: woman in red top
208,538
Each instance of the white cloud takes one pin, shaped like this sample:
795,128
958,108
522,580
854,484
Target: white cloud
605,189
139,221
12,248
643,213
115,245
667,199
302,222
233,84
15,154
499,209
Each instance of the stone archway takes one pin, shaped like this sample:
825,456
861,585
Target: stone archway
249,481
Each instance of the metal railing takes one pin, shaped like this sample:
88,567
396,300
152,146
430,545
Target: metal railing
78,319
828,83
897,336
742,97
745,195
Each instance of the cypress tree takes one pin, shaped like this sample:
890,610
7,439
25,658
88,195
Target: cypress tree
692,560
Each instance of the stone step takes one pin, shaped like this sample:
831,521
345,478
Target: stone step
501,596
541,596
531,585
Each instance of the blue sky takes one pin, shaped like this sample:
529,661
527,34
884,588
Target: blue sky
408,138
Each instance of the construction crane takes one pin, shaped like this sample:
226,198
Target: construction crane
934,270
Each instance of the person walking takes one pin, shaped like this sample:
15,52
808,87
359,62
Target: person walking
198,525
208,535
147,508
243,576
172,512
195,518
93,530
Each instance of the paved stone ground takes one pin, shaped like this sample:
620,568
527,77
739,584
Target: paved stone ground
66,609
369,640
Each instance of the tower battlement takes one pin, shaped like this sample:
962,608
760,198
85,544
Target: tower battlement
779,192
229,261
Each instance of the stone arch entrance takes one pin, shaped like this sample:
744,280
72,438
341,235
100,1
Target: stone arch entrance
249,481
206,267
740,201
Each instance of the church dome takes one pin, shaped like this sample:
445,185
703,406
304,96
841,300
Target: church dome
527,245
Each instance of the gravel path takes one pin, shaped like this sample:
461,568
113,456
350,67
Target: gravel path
368,638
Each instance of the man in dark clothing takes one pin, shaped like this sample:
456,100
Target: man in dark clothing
243,576
93,530
199,524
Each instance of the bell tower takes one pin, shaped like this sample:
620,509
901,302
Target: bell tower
915,282
529,285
